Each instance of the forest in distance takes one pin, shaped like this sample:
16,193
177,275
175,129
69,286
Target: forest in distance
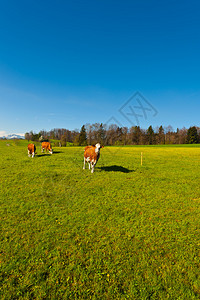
114,135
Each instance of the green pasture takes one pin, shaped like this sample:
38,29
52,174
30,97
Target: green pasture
125,232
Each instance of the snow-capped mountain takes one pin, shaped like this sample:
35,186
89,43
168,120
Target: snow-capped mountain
13,136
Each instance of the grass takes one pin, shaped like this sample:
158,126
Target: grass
124,232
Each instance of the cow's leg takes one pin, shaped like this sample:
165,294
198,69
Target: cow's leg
84,164
89,165
33,154
42,149
92,171
29,153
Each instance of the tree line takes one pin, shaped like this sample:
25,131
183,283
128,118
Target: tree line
114,135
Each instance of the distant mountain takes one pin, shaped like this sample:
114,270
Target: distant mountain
13,136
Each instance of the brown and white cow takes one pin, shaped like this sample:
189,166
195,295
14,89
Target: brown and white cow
91,155
31,150
47,146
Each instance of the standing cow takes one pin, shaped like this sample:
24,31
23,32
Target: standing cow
47,146
91,156
31,150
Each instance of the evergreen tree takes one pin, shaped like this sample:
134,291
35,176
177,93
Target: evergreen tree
150,135
192,135
161,135
82,137
101,134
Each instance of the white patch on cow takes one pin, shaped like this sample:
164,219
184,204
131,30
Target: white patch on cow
51,151
97,147
33,154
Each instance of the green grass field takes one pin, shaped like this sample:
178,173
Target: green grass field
125,232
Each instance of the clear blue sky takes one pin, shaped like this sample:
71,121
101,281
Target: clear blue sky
67,63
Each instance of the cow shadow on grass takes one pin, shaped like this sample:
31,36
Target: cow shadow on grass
41,155
115,168
48,154
57,152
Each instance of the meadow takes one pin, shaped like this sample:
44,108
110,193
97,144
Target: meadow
125,232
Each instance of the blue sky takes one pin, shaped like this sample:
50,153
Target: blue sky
67,63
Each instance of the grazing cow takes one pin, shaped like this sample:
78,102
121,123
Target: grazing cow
91,155
31,150
47,146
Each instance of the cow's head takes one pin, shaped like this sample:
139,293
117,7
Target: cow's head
97,147
51,151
